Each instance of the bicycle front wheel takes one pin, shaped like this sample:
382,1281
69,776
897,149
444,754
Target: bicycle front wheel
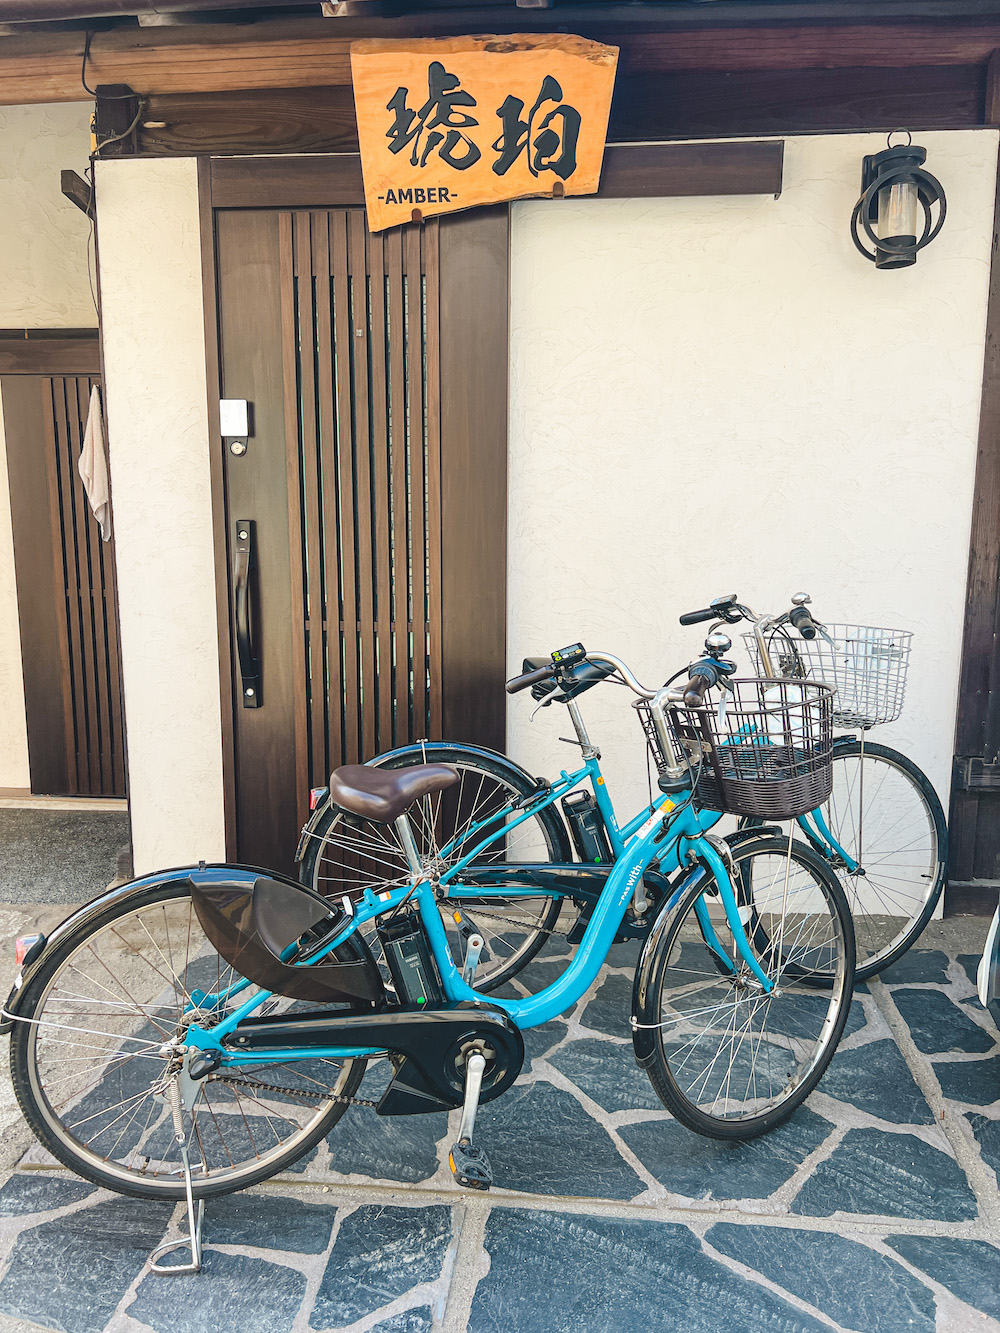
93,1077
727,1058
885,814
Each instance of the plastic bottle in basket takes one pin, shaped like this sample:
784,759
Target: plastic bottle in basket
786,723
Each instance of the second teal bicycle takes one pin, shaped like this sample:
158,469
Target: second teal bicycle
881,828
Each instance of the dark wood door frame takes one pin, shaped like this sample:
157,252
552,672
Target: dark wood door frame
974,862
474,357
629,171
50,352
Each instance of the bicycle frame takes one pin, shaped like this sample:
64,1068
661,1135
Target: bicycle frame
660,835
618,835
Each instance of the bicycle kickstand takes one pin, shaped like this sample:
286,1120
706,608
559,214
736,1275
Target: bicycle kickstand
195,1211
469,1164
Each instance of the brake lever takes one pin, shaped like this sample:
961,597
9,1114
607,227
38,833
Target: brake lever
724,692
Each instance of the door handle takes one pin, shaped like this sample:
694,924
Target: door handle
243,547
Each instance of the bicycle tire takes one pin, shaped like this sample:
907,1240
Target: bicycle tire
694,974
48,1124
883,938
502,958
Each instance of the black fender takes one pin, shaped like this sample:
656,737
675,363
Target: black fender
386,760
645,983
647,972
79,921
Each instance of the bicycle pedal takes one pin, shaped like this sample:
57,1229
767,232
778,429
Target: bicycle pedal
470,1166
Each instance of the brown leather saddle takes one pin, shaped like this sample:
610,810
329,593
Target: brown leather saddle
382,794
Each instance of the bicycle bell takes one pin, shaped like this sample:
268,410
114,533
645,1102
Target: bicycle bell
718,643
801,598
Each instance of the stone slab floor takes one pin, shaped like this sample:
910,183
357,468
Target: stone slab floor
875,1209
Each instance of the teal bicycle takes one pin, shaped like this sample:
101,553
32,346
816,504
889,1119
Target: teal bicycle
199,1030
881,827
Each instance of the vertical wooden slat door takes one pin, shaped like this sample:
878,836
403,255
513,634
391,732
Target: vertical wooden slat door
66,593
334,335
355,316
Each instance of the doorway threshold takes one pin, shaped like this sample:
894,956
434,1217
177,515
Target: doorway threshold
13,798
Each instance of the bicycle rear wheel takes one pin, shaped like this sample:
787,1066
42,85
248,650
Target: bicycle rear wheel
91,1074
345,854
726,1058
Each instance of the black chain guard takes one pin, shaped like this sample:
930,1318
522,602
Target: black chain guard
427,1048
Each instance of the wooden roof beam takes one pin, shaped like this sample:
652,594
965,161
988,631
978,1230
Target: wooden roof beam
310,53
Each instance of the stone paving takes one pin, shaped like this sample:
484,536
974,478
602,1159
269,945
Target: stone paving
874,1209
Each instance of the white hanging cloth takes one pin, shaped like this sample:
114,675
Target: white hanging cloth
93,465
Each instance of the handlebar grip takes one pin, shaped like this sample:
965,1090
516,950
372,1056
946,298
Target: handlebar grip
703,677
531,678
803,622
696,617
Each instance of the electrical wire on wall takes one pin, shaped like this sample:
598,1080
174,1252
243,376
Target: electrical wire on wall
98,146
111,97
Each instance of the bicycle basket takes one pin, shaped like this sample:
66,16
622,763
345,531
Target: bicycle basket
765,751
866,665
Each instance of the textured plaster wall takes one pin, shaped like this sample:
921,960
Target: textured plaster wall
154,354
43,284
719,395
43,237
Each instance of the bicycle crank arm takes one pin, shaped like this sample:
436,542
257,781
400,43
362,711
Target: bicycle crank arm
428,1048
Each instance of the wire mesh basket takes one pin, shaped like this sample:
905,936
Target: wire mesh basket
764,749
865,664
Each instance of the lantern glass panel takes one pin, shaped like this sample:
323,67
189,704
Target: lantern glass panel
897,210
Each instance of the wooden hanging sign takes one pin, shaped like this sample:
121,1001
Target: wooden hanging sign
453,123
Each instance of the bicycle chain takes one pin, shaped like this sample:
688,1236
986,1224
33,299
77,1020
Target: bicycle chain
301,1093
509,921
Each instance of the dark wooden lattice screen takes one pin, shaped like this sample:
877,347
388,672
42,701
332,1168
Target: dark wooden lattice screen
87,625
360,326
65,591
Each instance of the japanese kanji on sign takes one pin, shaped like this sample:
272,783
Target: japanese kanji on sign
457,122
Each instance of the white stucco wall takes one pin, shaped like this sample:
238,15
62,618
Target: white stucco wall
13,731
157,410
719,395
43,284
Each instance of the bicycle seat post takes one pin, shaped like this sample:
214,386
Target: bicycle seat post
587,749
408,843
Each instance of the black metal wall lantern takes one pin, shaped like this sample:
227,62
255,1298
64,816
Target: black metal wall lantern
894,184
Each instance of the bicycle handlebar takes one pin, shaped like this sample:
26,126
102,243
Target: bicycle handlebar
627,676
518,683
696,617
703,676
803,622
728,609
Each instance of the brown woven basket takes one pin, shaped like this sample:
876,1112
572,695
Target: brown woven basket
765,751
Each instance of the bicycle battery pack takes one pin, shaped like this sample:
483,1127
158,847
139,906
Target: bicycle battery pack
408,956
586,826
